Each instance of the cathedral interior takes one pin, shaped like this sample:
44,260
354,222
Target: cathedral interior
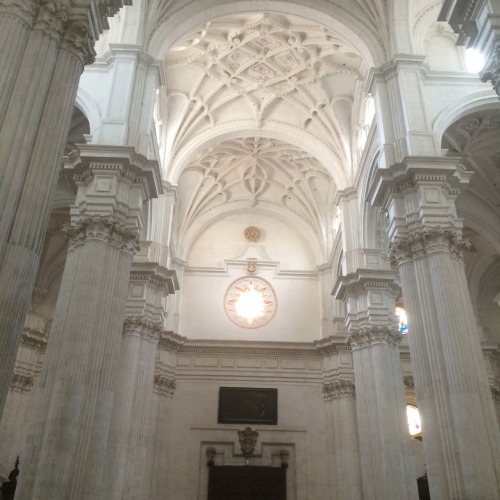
250,249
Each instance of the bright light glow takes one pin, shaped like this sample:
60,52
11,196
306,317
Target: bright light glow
403,321
474,60
413,416
250,305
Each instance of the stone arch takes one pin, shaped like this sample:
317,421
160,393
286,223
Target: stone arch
88,106
285,133
168,26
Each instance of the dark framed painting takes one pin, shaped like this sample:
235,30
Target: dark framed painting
241,405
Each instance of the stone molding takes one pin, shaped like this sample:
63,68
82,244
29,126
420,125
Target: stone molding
139,327
164,385
423,242
34,339
373,335
25,10
338,389
169,341
104,230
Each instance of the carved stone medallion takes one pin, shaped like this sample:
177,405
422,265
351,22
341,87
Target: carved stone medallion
253,234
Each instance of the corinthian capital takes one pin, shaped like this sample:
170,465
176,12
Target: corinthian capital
104,230
25,10
422,242
139,327
52,18
372,335
78,41
338,389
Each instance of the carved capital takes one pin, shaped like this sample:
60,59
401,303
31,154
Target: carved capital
139,327
421,243
104,230
78,41
25,10
409,382
164,385
21,383
492,70
338,389
372,335
52,18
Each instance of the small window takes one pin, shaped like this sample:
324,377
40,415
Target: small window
414,424
403,322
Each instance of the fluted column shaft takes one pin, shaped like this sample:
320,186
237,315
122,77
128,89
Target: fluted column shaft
20,259
16,21
461,435
163,392
131,438
67,441
24,111
384,442
130,442
27,369
341,414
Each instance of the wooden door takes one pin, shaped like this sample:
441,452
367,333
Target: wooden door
229,482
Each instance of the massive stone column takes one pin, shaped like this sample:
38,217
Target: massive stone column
44,44
16,20
384,444
67,441
131,439
21,252
461,436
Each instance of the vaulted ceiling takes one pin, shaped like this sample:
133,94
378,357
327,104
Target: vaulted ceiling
261,109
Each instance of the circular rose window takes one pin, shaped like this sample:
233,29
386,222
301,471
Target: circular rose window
250,302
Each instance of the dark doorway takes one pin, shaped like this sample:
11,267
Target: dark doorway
229,482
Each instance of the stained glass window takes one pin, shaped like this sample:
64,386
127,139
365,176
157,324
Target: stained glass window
403,322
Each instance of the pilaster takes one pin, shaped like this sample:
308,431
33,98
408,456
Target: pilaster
131,439
402,122
384,443
163,391
461,438
343,443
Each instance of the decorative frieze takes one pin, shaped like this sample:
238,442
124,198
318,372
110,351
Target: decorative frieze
338,389
164,385
371,335
104,230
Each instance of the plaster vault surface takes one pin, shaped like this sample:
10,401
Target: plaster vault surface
263,113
